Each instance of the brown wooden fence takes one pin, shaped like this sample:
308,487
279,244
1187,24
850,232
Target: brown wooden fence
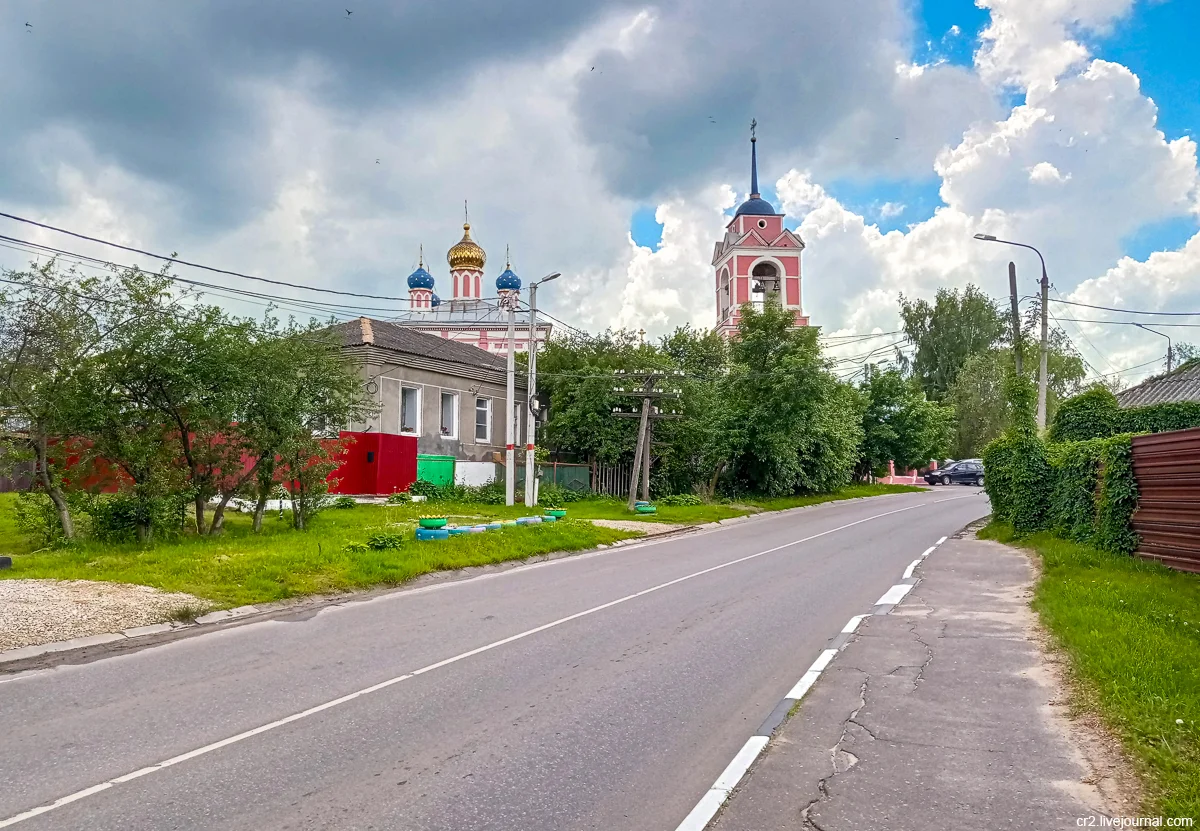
1167,467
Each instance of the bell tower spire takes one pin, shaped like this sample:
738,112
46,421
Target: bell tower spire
753,160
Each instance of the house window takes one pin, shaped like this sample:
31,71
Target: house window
450,415
483,420
410,409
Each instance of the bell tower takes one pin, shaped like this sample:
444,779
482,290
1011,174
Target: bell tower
758,260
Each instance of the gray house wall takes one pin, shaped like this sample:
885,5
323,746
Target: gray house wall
390,376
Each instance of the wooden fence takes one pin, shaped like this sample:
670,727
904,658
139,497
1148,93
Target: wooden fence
612,480
1167,467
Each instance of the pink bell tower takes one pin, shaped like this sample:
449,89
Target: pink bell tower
758,260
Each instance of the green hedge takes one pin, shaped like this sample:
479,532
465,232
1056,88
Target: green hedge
1118,497
1075,467
1095,414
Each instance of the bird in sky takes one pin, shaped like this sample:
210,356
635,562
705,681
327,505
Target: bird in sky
348,13
593,69
377,161
29,26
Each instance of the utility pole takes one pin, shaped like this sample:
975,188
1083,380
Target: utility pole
1170,345
647,414
531,418
1041,407
1016,314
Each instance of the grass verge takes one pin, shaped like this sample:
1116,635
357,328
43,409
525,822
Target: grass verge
240,567
1131,629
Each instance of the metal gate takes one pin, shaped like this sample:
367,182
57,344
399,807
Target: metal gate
1167,467
612,480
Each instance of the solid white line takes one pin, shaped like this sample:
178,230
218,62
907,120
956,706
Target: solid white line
853,624
908,572
209,748
803,685
823,660
707,807
894,595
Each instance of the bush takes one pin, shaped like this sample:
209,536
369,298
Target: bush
344,502
1090,415
425,488
680,499
399,498
1075,467
1118,497
555,496
1019,477
1159,418
355,547
116,517
384,540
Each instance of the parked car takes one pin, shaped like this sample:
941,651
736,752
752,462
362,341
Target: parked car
966,472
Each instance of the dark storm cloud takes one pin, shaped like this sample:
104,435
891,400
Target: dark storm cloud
819,76
161,89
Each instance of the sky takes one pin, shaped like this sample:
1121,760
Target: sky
608,140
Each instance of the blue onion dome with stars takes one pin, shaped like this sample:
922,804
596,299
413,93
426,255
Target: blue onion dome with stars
508,281
420,279
435,300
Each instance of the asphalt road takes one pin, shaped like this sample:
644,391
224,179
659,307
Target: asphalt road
605,691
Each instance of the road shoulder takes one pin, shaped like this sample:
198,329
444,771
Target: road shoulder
946,713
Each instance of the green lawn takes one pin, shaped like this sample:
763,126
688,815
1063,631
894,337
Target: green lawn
1132,631
240,567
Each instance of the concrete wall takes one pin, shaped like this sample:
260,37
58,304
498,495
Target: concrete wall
461,443
477,473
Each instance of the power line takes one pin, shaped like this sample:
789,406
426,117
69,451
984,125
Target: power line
196,265
1125,311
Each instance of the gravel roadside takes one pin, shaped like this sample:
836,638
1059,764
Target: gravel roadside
44,611
634,525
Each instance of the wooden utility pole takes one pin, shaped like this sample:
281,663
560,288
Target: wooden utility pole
648,391
1016,314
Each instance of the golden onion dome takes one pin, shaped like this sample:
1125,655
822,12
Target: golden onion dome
466,253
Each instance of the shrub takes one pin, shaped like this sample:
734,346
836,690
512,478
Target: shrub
399,498
1118,497
1018,472
555,496
355,547
1075,468
1090,415
384,540
425,488
117,517
1159,418
344,502
679,499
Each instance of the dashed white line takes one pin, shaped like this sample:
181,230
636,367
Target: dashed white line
711,802
939,542
209,748
894,595
908,572
853,624
928,551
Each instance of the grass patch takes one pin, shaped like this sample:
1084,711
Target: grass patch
240,567
1132,631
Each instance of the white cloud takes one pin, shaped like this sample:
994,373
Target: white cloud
954,31
891,209
1046,173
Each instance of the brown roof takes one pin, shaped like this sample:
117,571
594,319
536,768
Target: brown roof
1182,384
383,334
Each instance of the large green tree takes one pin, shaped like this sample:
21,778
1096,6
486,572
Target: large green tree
900,424
947,332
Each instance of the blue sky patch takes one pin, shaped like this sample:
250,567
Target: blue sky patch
1167,235
644,229
892,205
1157,42
933,39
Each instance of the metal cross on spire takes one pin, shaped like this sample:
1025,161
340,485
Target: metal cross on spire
466,217
753,124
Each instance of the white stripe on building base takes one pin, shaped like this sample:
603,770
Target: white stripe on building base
894,595
712,801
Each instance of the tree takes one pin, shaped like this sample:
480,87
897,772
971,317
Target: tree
900,424
798,427
51,322
947,333
977,396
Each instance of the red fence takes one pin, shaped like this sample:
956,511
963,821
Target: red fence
1167,467
375,463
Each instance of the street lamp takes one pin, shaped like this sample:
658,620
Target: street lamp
1045,283
531,419
1162,335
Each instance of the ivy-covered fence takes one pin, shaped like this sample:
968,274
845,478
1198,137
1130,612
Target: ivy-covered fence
1095,414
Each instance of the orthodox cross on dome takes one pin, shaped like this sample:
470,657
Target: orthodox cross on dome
753,160
421,256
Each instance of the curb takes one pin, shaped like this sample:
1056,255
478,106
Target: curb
712,801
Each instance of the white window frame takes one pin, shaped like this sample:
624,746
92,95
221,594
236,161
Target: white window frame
417,390
487,420
453,434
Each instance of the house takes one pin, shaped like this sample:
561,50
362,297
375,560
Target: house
1179,385
449,396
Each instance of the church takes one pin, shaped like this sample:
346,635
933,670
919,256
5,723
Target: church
758,258
468,316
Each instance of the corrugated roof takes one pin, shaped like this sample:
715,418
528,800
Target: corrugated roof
1182,384
394,337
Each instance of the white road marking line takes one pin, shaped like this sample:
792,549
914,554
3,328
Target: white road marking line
823,660
853,624
708,806
939,542
803,685
208,748
928,551
908,572
894,595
